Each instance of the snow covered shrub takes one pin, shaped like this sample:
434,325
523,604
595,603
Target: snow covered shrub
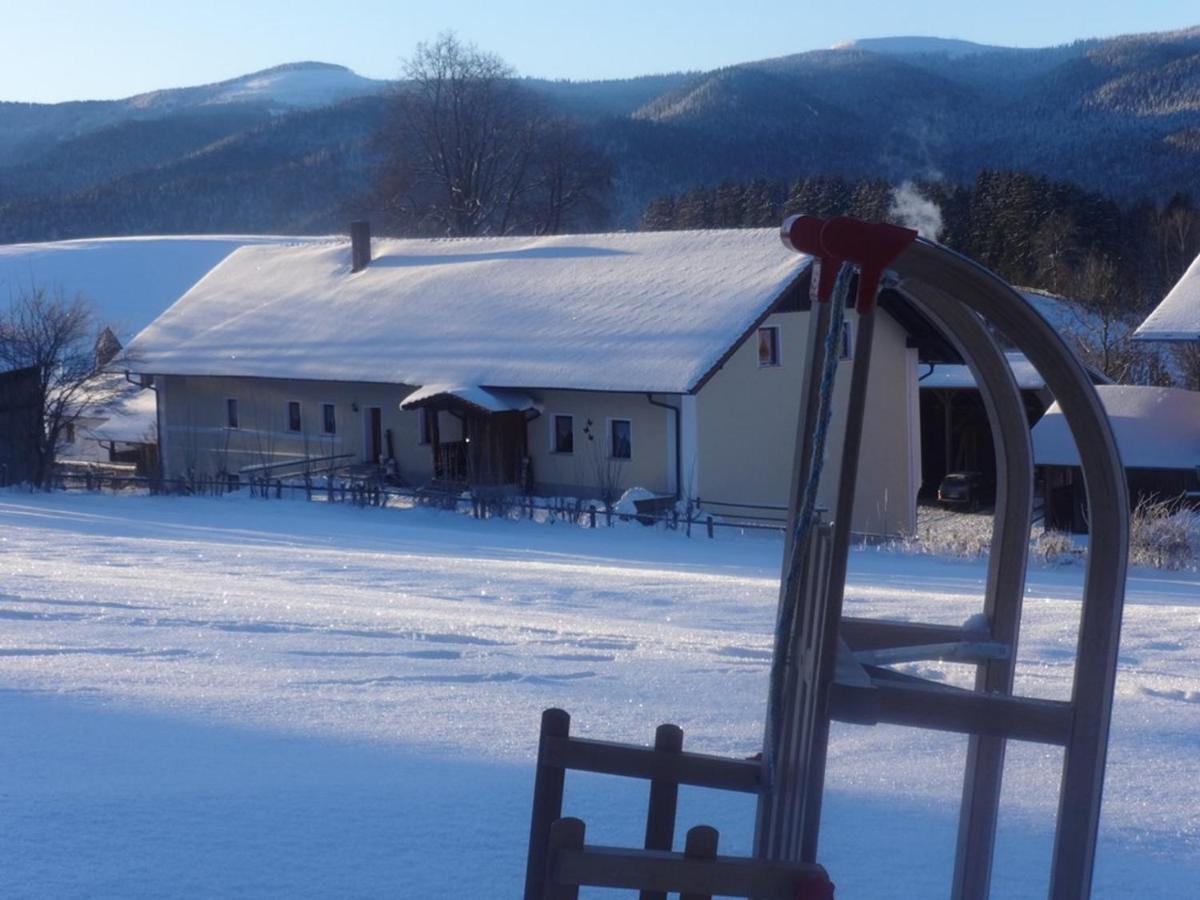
953,534
1054,547
1162,534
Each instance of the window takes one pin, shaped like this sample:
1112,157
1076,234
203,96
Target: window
328,419
69,433
231,413
294,415
423,435
847,342
620,438
768,346
564,434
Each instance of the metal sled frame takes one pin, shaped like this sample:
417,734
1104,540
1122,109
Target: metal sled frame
837,668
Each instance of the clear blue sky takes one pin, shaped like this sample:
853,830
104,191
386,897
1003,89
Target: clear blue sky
82,49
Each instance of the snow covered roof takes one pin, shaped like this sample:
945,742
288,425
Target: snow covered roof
958,376
1070,317
489,400
643,311
1177,318
1155,428
131,418
129,280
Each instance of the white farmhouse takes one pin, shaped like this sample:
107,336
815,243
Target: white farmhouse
572,364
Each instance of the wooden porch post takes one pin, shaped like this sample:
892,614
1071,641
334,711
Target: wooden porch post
435,441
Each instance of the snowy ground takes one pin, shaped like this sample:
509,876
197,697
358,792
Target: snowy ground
229,697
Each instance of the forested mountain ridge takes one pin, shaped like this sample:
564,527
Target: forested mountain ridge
293,149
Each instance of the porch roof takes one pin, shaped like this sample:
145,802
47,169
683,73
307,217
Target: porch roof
488,400
638,311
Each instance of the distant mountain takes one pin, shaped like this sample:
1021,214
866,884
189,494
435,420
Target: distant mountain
302,85
28,130
290,149
917,45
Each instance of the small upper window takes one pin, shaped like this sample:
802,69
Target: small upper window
564,434
293,415
328,419
231,413
768,346
620,434
69,433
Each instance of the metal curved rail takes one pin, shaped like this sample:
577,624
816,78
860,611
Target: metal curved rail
1006,570
926,269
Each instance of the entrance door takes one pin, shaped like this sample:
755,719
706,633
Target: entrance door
373,434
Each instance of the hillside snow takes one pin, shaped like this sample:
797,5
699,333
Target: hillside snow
128,281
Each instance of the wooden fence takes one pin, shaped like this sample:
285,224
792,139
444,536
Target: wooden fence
366,491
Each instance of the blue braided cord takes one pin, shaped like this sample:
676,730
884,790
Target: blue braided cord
804,519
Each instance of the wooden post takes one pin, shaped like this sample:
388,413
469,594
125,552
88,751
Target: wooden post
547,803
708,522
701,845
565,834
591,517
664,799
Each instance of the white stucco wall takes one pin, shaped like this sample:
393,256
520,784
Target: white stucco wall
195,435
652,460
746,419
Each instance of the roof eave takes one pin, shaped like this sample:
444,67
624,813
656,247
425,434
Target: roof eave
1165,337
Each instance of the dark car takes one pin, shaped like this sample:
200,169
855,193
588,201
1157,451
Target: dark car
966,490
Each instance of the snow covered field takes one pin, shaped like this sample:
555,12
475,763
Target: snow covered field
227,697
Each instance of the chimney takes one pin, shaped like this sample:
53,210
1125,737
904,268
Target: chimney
360,245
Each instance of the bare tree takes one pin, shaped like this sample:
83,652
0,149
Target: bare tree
1187,361
1106,338
56,339
570,180
607,470
1179,237
471,151
1055,246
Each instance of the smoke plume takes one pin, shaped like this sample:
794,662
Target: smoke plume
911,209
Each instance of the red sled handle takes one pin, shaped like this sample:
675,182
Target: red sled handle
872,246
803,234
